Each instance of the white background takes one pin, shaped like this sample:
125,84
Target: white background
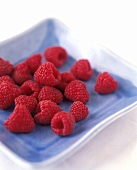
111,23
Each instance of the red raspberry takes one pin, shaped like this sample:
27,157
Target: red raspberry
105,83
56,55
8,92
47,74
47,110
34,62
30,88
76,91
63,123
20,120
66,78
82,69
7,79
79,111
21,73
50,93
5,67
29,101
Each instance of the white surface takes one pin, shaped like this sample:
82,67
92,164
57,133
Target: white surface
111,23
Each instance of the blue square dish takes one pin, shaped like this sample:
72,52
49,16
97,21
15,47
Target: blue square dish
42,147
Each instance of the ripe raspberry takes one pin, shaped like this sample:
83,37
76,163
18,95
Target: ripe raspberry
56,55
20,120
30,88
34,62
82,69
21,73
76,91
47,74
105,83
29,101
47,110
5,67
7,79
8,92
63,123
50,93
66,78
79,110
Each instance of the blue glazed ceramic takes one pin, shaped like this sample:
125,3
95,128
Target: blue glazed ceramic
42,147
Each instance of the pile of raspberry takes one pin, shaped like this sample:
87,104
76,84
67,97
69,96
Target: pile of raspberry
36,90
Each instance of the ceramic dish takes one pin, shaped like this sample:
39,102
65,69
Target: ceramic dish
42,147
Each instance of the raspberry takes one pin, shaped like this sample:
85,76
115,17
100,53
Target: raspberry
20,120
7,79
105,83
63,123
5,67
56,55
82,69
66,78
50,93
79,110
8,92
30,88
47,110
21,73
76,91
47,74
29,101
34,62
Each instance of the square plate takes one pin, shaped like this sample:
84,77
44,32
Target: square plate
42,147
